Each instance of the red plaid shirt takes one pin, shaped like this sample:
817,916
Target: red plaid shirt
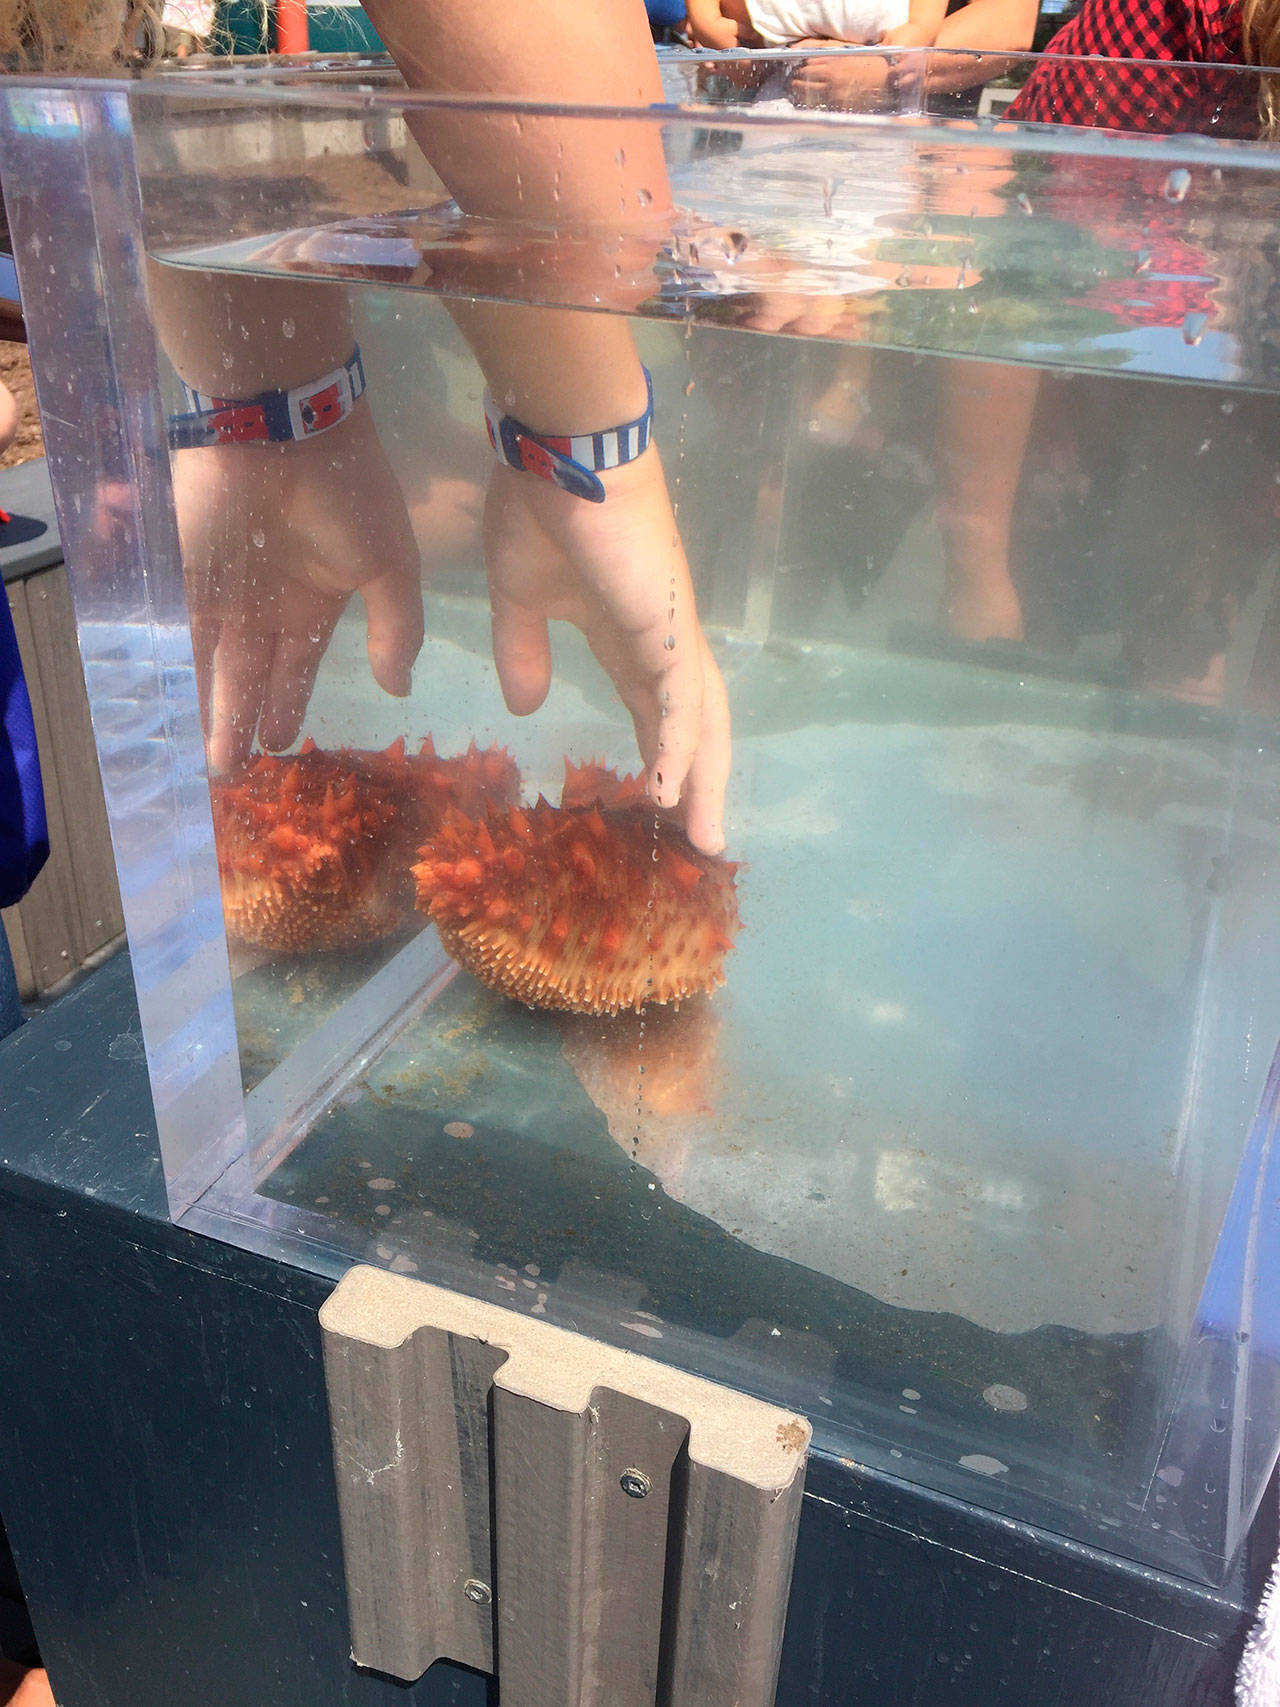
1188,96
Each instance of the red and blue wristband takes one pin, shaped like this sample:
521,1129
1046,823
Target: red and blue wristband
573,462
272,417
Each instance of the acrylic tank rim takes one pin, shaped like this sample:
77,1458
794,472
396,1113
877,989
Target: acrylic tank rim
291,82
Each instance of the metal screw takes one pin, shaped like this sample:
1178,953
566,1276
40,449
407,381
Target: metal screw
635,1483
475,1590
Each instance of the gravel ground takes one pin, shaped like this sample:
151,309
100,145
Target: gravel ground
15,371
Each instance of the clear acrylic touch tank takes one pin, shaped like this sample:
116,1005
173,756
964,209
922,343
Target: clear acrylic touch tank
971,432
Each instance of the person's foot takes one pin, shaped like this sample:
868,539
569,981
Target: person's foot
839,418
986,608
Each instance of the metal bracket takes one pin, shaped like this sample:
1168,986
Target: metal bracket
600,1529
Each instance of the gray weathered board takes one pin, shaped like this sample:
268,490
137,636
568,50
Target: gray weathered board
72,914
594,1527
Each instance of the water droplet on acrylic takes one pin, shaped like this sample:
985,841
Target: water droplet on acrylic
670,643
258,537
1193,328
1176,184
903,279
1142,260
688,388
621,157
828,195
288,328
644,197
1024,202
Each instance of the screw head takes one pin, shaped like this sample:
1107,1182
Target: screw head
635,1484
475,1590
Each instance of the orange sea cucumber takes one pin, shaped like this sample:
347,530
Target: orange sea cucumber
314,848
594,906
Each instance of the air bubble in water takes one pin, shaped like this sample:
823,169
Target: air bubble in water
903,279
258,537
644,197
1193,328
1142,261
828,195
288,328
688,388
670,643
621,157
1177,184
1024,202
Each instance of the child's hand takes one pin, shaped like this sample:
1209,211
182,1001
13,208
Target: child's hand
708,27
8,417
617,571
275,539
848,82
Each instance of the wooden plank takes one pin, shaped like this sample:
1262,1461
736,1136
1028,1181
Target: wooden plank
53,626
50,916
11,918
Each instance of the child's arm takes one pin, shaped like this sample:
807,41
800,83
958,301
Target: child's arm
709,27
924,20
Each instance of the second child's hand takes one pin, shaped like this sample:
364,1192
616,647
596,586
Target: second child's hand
617,572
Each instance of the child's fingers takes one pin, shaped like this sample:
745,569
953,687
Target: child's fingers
521,651
290,681
702,802
394,623
242,663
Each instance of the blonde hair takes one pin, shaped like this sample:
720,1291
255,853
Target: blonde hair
59,35
1260,23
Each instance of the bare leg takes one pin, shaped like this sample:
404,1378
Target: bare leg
984,424
22,1688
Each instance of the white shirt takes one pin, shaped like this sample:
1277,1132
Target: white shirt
781,22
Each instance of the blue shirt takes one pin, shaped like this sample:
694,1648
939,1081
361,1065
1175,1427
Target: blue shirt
24,835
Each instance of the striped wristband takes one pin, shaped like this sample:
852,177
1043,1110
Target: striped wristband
571,461
272,417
